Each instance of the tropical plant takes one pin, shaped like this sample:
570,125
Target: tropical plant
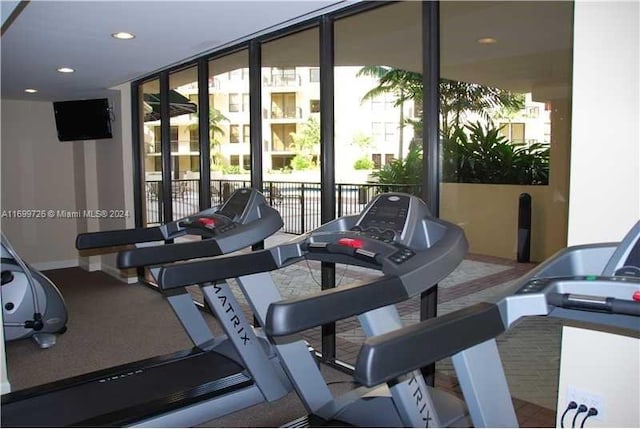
306,144
459,97
215,129
301,162
404,85
456,97
402,171
480,154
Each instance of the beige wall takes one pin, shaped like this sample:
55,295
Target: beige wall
489,216
37,174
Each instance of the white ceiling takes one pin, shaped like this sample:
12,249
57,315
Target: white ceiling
533,52
50,34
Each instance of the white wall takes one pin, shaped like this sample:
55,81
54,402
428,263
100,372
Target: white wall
605,158
37,174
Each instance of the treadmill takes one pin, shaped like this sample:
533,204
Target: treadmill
395,234
595,283
218,376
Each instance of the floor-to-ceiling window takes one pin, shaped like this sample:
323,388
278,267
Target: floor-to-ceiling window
151,152
229,119
378,60
291,126
184,140
505,117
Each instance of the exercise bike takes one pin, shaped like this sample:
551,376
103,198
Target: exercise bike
32,306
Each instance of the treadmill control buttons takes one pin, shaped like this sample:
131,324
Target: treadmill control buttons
402,255
534,286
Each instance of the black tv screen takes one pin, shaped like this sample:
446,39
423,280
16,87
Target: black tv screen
83,119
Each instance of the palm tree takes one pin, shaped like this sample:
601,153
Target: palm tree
404,85
459,97
455,97
215,119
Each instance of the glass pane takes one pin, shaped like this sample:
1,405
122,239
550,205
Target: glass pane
505,124
378,62
151,153
185,145
229,124
291,147
505,133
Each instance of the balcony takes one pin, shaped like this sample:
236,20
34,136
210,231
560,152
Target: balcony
282,80
279,113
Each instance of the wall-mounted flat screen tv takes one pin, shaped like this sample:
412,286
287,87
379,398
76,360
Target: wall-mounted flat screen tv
83,119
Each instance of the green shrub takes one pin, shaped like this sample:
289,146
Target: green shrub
301,162
479,154
363,163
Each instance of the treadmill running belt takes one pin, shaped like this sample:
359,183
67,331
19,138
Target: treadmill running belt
137,394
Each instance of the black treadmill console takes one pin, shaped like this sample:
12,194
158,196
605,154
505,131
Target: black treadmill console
385,218
211,222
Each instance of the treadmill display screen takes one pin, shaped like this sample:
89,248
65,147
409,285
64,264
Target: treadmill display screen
387,213
235,205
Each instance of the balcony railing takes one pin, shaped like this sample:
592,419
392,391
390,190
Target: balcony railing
282,80
287,113
297,202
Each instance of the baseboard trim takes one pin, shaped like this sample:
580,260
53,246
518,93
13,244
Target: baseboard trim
55,265
117,273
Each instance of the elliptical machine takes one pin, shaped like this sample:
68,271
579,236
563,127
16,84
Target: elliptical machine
32,306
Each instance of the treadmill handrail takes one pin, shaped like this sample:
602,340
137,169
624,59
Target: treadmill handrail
211,270
118,237
290,316
165,253
385,357
241,236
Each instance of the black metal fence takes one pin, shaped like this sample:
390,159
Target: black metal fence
297,202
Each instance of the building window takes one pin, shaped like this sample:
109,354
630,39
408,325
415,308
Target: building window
314,106
278,162
194,143
377,160
234,102
234,134
245,102
383,102
314,74
383,131
234,160
246,134
283,105
388,157
246,162
174,139
281,139
513,131
195,163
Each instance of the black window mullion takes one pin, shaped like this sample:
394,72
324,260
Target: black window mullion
165,138
327,169
203,126
255,113
431,140
138,181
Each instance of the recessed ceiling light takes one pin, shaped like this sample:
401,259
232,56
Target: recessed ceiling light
123,35
31,90
66,70
486,40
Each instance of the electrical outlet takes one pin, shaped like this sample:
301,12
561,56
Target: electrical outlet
589,399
